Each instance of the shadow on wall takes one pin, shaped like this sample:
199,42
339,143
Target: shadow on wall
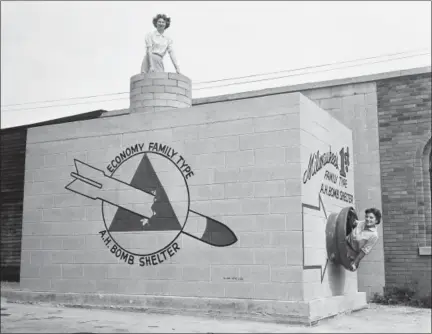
336,279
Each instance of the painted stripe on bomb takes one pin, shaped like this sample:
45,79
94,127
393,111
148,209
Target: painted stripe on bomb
148,260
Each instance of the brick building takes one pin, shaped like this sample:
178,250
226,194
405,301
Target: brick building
404,118
237,142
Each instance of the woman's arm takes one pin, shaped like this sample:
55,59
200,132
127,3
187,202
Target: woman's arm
365,250
150,60
173,57
149,44
356,262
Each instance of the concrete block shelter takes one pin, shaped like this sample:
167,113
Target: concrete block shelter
239,164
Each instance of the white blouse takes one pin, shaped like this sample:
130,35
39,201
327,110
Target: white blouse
363,238
158,43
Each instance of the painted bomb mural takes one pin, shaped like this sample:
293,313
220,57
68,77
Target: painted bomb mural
144,190
327,187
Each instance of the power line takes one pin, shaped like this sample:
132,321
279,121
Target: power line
67,99
293,75
66,105
219,80
309,67
223,85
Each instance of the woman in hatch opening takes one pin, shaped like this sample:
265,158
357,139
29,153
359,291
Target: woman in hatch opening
363,237
157,45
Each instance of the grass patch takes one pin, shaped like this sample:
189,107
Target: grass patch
405,295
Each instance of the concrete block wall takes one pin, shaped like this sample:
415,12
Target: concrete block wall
240,155
404,112
354,102
159,91
355,106
324,135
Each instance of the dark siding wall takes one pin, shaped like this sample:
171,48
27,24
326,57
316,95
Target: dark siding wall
404,117
12,165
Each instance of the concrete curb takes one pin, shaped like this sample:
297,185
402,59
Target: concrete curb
249,310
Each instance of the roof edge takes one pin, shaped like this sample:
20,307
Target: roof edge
66,119
312,85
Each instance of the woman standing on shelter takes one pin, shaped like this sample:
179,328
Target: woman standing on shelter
363,237
157,45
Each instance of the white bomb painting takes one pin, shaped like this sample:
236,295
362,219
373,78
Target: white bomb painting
142,193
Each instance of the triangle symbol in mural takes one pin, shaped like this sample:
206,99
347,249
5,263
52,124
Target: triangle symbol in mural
164,218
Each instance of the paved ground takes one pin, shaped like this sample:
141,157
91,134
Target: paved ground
24,318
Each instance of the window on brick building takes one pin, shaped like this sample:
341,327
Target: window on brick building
430,172
427,184
429,223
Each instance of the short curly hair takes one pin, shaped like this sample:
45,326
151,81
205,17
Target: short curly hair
164,17
376,213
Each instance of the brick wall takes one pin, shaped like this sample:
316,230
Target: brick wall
404,114
159,91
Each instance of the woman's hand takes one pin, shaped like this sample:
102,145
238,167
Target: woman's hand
356,262
151,69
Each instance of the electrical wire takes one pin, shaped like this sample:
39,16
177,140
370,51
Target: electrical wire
293,75
314,66
219,86
67,99
66,105
221,80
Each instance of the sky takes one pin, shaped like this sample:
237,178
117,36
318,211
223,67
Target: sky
68,50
